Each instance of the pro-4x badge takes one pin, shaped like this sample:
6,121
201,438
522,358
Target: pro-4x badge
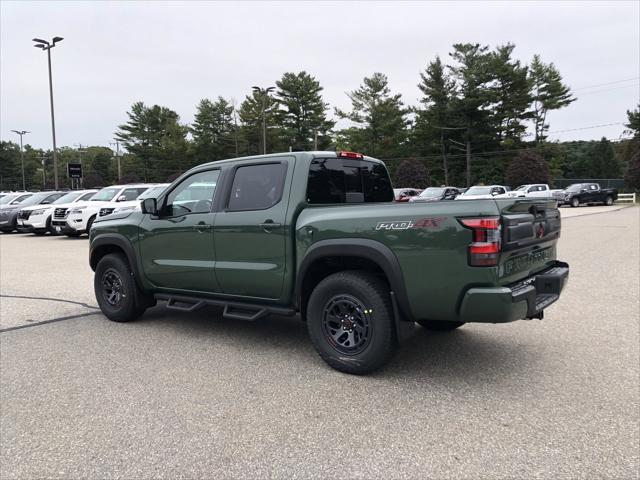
395,225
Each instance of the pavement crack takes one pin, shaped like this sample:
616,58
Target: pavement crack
50,299
44,322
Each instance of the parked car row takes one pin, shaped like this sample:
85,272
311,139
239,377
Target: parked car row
574,195
68,212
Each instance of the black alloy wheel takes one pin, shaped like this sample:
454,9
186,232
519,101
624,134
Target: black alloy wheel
347,325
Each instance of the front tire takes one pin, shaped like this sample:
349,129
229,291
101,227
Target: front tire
575,202
350,322
609,201
116,291
437,326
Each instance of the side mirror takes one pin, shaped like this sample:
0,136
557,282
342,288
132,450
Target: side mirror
149,206
121,198
583,190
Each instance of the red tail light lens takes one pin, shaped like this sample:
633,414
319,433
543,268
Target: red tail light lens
484,250
359,156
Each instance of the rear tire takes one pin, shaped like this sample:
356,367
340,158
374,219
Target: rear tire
437,326
609,201
575,202
350,322
116,291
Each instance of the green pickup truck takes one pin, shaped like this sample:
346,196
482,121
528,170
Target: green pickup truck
318,234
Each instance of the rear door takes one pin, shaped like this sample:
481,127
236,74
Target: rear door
250,230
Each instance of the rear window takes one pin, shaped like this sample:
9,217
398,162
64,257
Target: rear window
342,180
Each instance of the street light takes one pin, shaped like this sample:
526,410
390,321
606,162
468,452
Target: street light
44,45
264,92
21,133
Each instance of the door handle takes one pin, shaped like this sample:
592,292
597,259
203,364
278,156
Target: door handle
201,227
269,224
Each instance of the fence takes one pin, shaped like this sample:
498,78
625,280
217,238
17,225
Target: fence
626,198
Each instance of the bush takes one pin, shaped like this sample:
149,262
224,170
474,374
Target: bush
411,173
527,167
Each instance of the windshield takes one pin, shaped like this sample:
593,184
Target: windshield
432,192
478,191
68,197
574,188
105,195
153,192
38,198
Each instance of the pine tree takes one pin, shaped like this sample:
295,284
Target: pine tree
411,174
302,113
253,110
213,131
379,117
632,176
603,161
549,93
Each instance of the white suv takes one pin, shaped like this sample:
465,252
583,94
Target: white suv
37,218
119,207
81,216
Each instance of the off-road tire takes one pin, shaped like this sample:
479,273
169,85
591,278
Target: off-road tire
367,297
437,326
131,303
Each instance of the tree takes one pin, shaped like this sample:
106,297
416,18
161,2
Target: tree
303,112
549,93
434,122
379,117
527,167
510,94
155,136
633,123
603,161
632,176
411,173
213,131
93,180
10,169
255,109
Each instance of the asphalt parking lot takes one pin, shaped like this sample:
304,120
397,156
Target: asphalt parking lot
194,395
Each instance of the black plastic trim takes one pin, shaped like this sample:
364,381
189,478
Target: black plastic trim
120,241
361,248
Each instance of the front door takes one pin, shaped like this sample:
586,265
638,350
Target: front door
177,245
250,233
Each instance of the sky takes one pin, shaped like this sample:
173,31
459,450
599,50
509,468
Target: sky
174,54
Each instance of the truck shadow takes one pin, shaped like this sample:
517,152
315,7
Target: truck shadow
471,356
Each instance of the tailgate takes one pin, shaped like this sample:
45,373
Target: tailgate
530,231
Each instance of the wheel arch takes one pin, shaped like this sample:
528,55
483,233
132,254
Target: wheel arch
113,243
330,256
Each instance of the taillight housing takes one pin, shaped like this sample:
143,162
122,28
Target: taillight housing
486,245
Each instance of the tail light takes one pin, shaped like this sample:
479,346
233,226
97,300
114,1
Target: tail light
484,250
359,156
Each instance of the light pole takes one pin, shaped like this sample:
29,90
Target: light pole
21,133
264,93
44,45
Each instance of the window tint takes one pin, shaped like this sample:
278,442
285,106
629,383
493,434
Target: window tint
87,196
193,195
257,187
339,180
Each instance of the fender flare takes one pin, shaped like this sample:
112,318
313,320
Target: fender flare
115,240
372,250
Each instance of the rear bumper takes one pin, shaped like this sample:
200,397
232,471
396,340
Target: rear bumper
525,299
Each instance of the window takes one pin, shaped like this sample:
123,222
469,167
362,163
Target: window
130,194
86,196
193,195
339,180
257,187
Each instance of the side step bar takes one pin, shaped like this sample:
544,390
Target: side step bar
238,311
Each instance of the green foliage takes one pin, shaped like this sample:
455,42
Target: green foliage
213,130
632,175
94,180
603,161
379,117
257,108
10,171
527,167
156,137
302,113
549,93
633,122
411,173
